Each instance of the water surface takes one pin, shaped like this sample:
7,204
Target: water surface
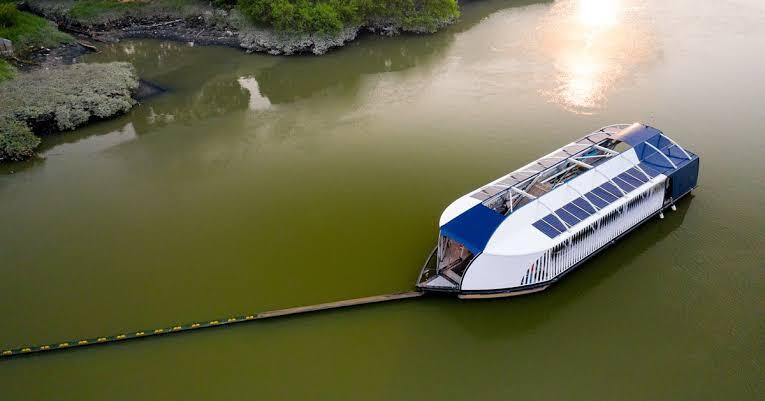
262,182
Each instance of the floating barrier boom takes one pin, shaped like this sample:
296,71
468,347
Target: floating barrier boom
205,324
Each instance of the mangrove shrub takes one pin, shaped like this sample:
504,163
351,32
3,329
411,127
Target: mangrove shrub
16,140
66,97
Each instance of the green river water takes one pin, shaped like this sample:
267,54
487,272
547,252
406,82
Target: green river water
260,182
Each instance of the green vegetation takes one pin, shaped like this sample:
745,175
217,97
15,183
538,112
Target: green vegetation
325,16
16,140
94,12
8,14
329,16
301,15
90,9
28,31
6,70
61,99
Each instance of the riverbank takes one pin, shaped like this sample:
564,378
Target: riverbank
247,25
58,99
44,34
41,93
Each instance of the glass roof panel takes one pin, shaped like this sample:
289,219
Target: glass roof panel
549,162
575,148
598,137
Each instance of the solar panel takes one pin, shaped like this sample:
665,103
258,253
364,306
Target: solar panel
584,205
569,218
577,212
553,221
612,189
624,185
546,229
597,201
631,180
638,174
604,195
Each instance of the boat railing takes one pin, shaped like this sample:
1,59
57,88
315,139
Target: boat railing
429,268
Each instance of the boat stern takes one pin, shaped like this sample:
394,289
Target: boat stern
431,279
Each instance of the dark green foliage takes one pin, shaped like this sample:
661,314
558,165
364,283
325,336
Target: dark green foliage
16,140
294,15
8,14
415,15
328,16
223,3
6,70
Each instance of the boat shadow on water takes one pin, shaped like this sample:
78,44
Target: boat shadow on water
502,318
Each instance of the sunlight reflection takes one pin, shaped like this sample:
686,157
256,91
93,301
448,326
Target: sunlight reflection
593,44
598,14
257,100
94,143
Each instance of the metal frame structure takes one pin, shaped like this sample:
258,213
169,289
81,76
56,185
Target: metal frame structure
676,144
662,154
532,174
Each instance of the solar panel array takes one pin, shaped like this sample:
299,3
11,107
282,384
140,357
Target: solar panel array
602,196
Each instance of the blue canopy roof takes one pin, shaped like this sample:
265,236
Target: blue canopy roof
473,228
638,135
658,161
635,134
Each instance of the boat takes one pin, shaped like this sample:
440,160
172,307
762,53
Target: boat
526,230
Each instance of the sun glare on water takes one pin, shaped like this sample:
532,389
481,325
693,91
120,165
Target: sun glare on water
598,14
593,45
